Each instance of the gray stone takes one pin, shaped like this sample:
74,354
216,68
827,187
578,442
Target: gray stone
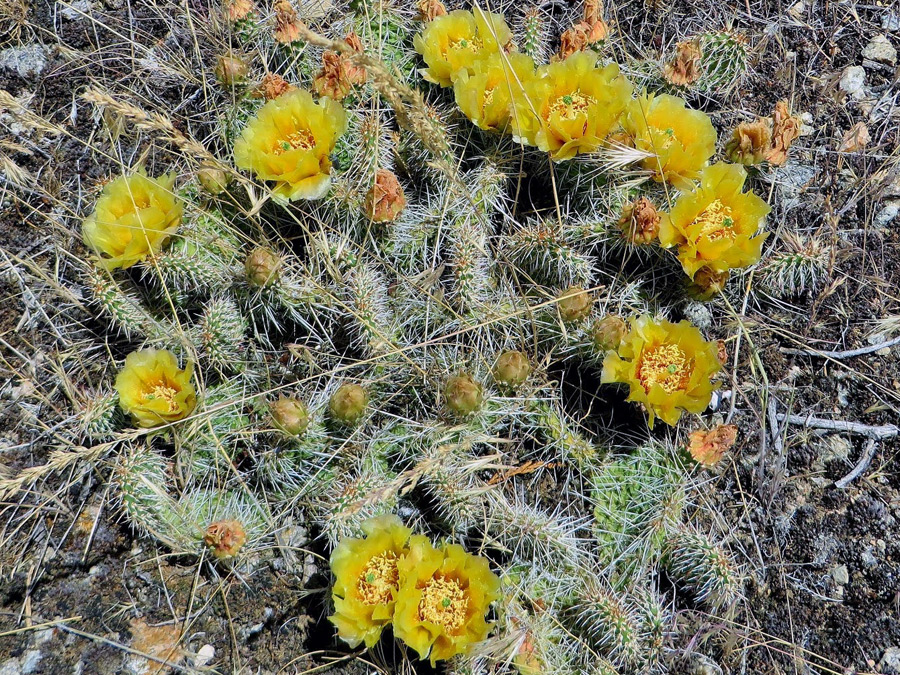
702,665
853,81
30,660
890,21
75,10
887,214
26,62
841,575
698,314
881,50
10,667
890,661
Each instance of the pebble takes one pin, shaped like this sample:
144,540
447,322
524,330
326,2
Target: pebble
887,214
890,661
10,667
26,62
841,575
881,50
698,314
205,654
74,10
890,21
703,665
853,81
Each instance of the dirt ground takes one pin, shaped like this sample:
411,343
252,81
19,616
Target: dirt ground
823,562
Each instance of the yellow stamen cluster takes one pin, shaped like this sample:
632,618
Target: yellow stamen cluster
443,603
666,366
715,221
379,579
569,106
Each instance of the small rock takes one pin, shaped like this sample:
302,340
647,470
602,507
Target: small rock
881,50
890,661
867,557
884,217
853,81
30,660
26,62
204,655
702,665
698,314
74,10
841,575
890,21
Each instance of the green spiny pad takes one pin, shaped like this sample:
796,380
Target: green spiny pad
723,61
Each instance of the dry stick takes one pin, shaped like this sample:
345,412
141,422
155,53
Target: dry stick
845,354
865,459
878,433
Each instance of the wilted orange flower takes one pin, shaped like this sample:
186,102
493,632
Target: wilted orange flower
235,10
488,93
685,67
708,282
715,225
785,130
640,221
455,41
679,139
667,366
750,143
443,598
287,23
577,105
366,580
225,538
338,74
153,389
385,199
289,142
272,86
581,36
708,446
133,219
430,9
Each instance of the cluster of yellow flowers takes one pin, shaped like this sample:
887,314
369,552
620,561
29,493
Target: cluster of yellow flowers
667,366
435,598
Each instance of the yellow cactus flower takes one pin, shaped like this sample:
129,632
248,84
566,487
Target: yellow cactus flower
443,598
454,42
576,104
488,94
153,389
366,580
133,218
289,141
668,367
715,224
681,140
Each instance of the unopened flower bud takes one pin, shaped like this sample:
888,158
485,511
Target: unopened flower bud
463,394
608,332
213,179
289,415
225,538
574,304
231,70
512,368
348,403
708,283
640,222
262,267
385,199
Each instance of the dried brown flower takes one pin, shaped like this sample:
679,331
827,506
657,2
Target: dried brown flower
785,130
272,86
287,23
708,282
684,69
593,11
581,36
751,142
385,199
429,9
856,138
722,351
339,73
707,447
640,221
235,10
225,538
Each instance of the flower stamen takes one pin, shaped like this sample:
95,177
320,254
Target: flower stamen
444,603
379,579
569,106
302,138
164,392
715,221
666,365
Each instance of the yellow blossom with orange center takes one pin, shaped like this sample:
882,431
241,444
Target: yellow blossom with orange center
133,219
153,389
454,42
570,107
678,140
667,366
715,225
367,577
289,142
443,599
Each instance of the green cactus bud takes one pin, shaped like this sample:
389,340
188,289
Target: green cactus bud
463,394
289,415
262,267
608,332
214,180
348,403
231,70
512,368
574,304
